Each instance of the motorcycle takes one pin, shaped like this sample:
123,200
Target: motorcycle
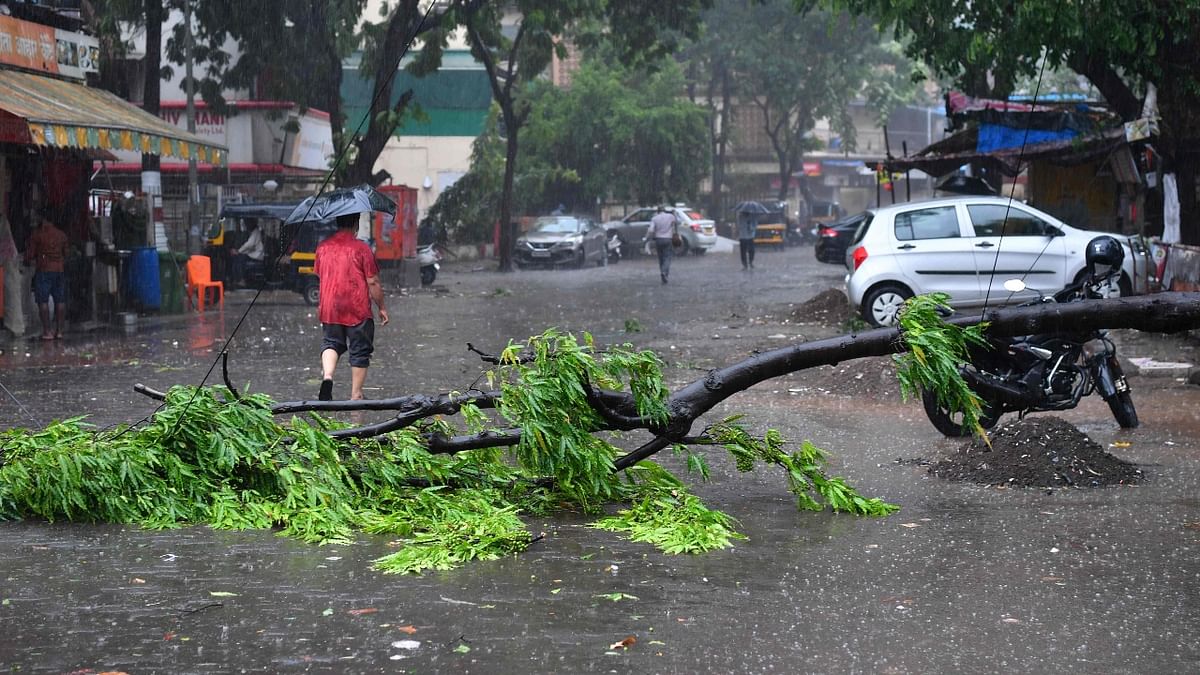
1040,373
613,246
428,259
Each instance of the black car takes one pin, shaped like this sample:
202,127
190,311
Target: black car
834,238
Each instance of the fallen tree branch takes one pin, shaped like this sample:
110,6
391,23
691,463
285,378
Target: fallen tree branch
1161,313
442,404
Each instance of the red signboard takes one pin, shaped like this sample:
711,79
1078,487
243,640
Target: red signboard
28,45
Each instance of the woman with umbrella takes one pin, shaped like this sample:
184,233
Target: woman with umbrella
747,229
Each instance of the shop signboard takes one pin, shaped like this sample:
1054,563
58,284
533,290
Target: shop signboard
78,54
32,46
28,45
311,145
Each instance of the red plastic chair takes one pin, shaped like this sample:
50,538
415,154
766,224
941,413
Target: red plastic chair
199,277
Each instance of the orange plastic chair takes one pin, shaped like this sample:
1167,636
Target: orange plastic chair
199,277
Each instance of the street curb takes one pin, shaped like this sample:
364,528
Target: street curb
1150,367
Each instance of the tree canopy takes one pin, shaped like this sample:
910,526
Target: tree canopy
612,133
1119,47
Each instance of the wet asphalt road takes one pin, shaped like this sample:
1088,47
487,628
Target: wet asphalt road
963,579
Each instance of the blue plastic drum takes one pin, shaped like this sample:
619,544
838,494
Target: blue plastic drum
144,287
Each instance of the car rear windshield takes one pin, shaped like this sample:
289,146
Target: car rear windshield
863,227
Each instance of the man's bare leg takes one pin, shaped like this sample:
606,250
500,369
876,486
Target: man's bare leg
44,315
60,318
329,359
358,376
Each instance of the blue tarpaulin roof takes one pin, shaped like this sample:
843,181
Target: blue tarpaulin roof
994,137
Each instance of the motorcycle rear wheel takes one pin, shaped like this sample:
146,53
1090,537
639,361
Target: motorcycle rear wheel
951,424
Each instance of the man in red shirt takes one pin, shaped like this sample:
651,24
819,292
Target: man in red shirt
47,251
349,281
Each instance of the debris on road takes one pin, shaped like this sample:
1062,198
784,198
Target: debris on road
1036,452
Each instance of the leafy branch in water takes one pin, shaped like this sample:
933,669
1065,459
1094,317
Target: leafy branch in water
208,457
805,469
936,351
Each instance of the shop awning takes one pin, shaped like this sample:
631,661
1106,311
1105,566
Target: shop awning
57,114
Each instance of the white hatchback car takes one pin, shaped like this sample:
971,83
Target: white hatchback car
967,247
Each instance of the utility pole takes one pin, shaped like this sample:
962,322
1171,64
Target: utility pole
193,237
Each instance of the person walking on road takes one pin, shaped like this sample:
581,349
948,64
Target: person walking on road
747,229
349,283
662,232
47,251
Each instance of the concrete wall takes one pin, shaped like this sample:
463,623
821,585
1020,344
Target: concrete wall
412,159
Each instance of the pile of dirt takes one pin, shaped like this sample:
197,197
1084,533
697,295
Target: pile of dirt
1037,452
829,307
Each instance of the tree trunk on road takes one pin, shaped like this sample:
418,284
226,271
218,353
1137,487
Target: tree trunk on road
1160,313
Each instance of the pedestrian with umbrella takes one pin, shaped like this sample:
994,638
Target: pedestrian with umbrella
349,283
747,229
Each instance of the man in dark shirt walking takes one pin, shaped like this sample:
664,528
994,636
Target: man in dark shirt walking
349,279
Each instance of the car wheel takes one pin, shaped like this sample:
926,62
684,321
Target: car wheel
312,294
699,251
580,258
881,306
684,248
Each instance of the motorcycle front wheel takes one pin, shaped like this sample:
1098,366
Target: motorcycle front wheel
1121,403
951,424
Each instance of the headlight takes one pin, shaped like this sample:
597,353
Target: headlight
569,243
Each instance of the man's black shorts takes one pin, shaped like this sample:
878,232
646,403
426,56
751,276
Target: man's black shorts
360,340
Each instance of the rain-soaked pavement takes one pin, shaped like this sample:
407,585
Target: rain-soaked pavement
963,579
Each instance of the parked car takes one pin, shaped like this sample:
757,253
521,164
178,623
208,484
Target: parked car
822,212
833,239
968,247
562,240
697,232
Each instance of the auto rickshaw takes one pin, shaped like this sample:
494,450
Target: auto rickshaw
293,246
231,230
300,254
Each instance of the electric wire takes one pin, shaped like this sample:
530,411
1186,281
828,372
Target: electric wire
1011,195
324,184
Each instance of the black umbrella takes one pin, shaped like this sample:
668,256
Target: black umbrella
965,185
750,207
341,202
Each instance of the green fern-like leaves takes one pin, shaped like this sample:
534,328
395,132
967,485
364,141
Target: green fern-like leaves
805,469
936,350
